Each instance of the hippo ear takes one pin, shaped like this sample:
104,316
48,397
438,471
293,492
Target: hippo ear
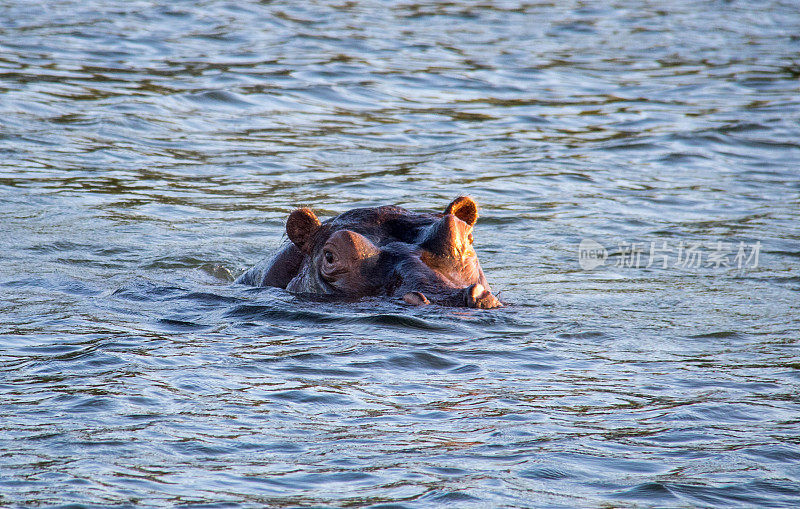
301,227
464,208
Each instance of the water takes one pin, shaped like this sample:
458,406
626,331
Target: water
146,143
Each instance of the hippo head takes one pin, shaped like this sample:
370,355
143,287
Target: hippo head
390,251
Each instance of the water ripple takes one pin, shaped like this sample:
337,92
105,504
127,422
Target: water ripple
150,150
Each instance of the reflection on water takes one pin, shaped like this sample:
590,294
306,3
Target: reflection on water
145,144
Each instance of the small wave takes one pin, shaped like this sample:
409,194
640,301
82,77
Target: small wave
219,97
402,321
724,334
182,325
649,491
421,360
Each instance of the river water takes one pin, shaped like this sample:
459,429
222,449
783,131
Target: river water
145,147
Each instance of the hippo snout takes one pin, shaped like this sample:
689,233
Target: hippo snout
474,296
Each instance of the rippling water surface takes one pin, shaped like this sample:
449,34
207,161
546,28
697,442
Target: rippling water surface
144,145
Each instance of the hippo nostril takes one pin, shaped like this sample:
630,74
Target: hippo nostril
416,298
474,293
478,296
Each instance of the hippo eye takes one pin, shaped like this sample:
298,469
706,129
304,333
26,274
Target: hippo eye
328,257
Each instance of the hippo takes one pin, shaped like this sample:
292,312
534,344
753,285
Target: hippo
381,251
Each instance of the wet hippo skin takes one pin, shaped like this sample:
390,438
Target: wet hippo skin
382,251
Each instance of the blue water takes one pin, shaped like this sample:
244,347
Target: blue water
150,150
